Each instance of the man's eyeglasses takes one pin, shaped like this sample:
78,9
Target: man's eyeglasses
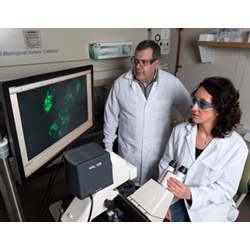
202,104
135,61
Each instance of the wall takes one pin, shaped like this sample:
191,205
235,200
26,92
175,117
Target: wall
71,46
229,62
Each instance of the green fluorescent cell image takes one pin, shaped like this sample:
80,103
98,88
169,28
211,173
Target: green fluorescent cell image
52,109
62,118
53,129
47,105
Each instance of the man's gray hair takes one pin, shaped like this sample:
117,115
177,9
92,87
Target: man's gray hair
145,44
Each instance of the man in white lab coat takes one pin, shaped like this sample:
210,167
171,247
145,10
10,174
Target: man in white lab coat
139,106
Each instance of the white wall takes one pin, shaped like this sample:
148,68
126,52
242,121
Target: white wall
229,62
72,51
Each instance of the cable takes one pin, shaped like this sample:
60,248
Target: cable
46,203
47,194
44,198
91,207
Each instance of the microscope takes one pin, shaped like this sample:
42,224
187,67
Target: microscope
94,177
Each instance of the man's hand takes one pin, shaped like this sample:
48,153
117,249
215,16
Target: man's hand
179,189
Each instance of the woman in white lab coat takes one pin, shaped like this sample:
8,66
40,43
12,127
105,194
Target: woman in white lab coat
213,153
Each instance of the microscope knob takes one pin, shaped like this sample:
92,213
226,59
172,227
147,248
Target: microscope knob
109,204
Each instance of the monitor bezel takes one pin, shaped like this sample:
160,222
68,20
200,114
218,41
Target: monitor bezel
10,121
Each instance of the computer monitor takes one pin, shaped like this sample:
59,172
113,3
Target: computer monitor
45,113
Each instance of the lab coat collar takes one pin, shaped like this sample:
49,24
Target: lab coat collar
128,75
130,78
191,139
191,142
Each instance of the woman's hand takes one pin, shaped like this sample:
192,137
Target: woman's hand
179,189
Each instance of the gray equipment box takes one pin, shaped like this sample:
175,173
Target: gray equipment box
88,169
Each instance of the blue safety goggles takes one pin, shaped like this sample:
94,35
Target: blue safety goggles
202,104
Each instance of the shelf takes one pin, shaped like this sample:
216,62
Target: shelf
241,45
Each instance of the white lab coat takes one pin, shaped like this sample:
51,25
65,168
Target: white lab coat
213,177
143,124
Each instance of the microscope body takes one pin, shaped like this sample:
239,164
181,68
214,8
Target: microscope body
153,199
79,209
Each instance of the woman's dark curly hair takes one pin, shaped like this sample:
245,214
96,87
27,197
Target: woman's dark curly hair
226,100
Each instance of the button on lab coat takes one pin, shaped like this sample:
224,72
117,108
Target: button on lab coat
213,177
143,124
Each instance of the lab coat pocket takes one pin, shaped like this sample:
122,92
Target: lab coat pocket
127,151
127,127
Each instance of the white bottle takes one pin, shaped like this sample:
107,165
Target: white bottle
167,173
181,174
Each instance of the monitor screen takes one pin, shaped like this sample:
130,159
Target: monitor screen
46,113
